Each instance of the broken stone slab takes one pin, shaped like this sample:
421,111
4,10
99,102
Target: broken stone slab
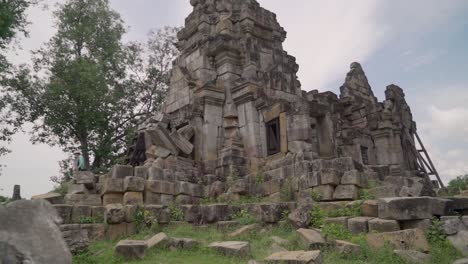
85,177
115,214
121,171
300,217
131,249
187,131
358,225
83,199
405,208
184,243
295,257
413,256
460,242
347,248
160,136
382,225
346,192
244,230
182,143
112,185
134,184
160,240
276,248
53,198
232,248
414,239
311,238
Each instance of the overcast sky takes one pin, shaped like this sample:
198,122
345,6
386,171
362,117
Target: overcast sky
420,45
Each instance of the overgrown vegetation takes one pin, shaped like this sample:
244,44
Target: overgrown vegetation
318,215
144,220
287,191
91,220
436,234
457,185
243,217
176,212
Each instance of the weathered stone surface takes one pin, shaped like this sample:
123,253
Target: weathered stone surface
300,217
121,171
381,225
311,238
112,198
188,188
83,199
359,224
214,213
131,249
330,177
370,208
76,238
96,232
354,177
460,242
184,243
77,189
244,230
80,213
161,187
116,231
133,198
408,208
141,171
325,192
346,192
295,257
452,224
423,224
157,198
115,214
216,189
53,198
413,256
64,211
134,184
413,239
160,240
85,177
232,248
347,248
113,185
272,212
24,226
98,212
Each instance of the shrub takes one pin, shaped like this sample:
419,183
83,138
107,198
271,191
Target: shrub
365,195
243,217
286,191
457,185
316,196
176,213
317,217
436,234
354,209
144,219
336,232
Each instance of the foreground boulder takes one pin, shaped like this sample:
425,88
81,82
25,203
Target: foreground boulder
460,242
29,233
232,248
295,257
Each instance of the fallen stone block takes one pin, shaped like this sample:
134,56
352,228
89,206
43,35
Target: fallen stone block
86,178
121,171
112,198
311,238
53,198
461,261
382,225
134,184
161,137
232,248
83,199
405,208
160,240
244,230
295,257
300,217
115,214
280,241
413,256
112,185
182,143
133,198
413,239
460,242
131,249
358,225
184,243
346,192
370,208
347,248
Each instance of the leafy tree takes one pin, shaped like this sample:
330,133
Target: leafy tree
87,90
457,185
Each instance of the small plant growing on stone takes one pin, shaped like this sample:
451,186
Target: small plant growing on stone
286,191
436,234
144,220
260,177
317,217
315,196
355,209
91,220
176,213
365,195
243,217
336,232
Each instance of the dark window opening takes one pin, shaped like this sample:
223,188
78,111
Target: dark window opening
273,137
365,155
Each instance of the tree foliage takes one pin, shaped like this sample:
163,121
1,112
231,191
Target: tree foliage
457,185
87,90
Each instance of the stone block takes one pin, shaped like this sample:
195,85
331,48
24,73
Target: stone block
53,198
131,249
347,248
162,187
112,198
442,207
96,232
160,240
156,198
134,184
300,217
354,177
113,185
192,213
342,221
423,224
83,199
330,177
133,198
405,208
141,172
77,189
162,214
155,174
296,257
311,238
116,231
313,179
168,175
214,213
184,243
357,225
80,213
346,192
232,248
85,177
130,212
121,171
370,208
460,242
272,213
64,211
115,214
413,239
381,225
191,189
98,212
325,192
452,224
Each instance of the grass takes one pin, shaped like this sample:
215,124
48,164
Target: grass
102,252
